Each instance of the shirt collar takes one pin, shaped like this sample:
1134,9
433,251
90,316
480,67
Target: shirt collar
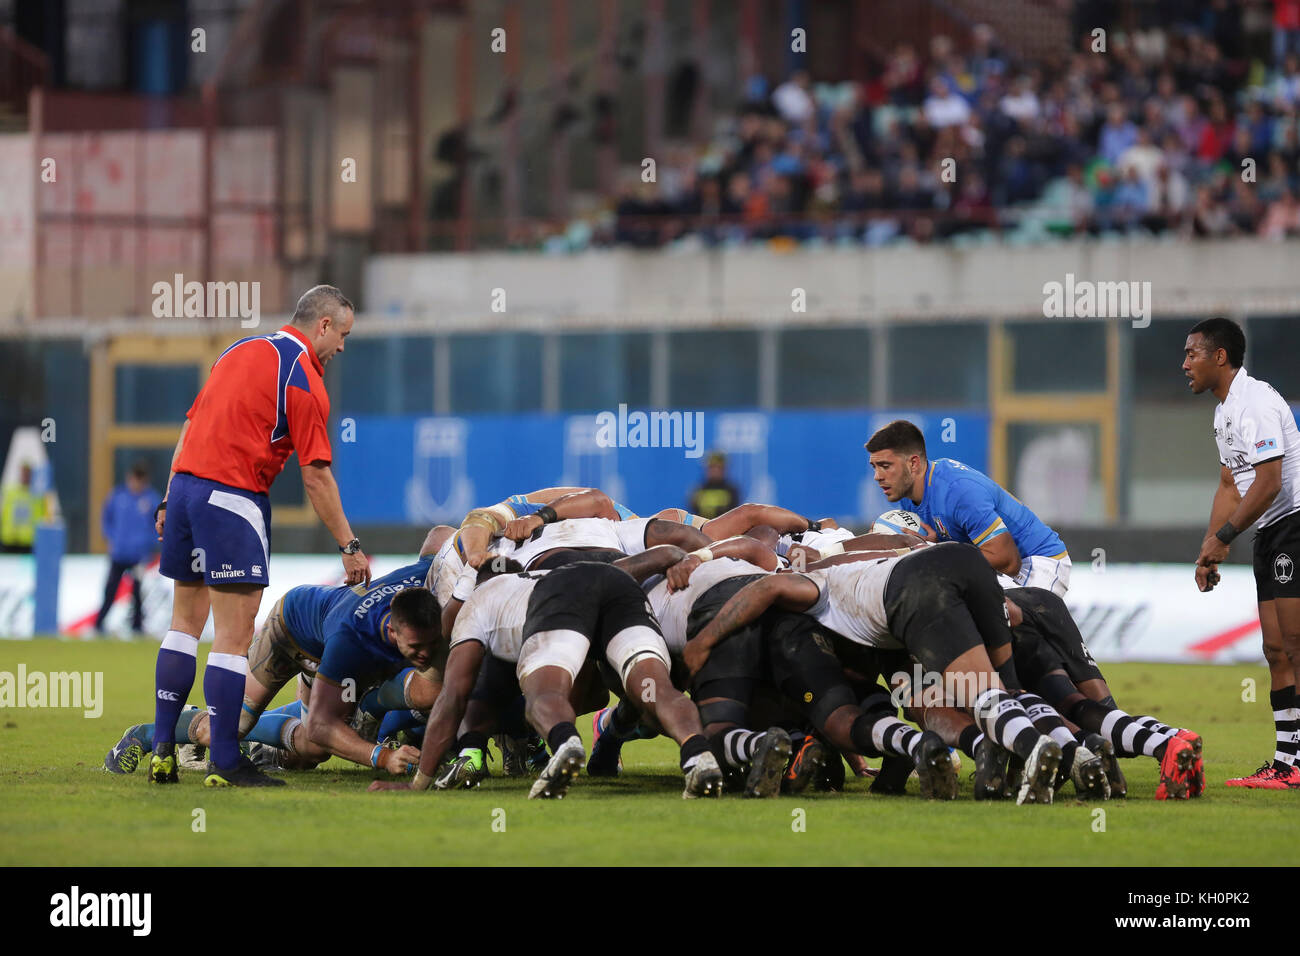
1237,387
306,343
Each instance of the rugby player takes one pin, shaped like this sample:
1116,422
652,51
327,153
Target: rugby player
547,623
264,399
957,503
337,641
1259,483
1052,660
792,653
942,604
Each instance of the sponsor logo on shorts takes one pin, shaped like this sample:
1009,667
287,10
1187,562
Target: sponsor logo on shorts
1283,569
227,572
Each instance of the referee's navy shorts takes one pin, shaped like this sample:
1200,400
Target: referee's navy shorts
215,533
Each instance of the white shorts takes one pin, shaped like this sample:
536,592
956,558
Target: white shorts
1036,571
568,650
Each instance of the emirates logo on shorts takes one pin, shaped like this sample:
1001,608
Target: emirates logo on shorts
1283,569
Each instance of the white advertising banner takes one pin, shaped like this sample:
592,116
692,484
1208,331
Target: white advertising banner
1129,612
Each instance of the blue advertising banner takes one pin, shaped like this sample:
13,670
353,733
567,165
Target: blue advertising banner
418,470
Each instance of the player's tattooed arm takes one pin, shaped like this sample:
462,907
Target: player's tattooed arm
874,541
849,557
650,562
327,726
658,531
793,592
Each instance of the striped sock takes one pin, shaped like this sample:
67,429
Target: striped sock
1284,723
173,681
1047,721
1132,736
1001,717
1155,726
885,734
738,747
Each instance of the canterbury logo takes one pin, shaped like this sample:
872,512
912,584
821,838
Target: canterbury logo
168,695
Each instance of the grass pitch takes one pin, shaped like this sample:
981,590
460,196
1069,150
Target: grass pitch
58,807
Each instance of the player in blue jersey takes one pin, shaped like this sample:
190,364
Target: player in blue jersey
959,503
338,641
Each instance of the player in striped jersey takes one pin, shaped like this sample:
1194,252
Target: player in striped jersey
942,604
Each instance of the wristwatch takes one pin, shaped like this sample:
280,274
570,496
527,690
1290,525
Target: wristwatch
352,547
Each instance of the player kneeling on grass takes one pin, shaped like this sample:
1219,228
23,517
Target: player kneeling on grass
548,623
942,604
338,640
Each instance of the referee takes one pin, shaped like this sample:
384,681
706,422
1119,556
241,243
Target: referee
264,399
1259,481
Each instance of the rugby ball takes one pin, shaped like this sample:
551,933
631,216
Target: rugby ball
898,522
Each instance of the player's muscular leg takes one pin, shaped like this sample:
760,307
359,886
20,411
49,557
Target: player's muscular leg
190,606
589,692
947,722
837,729
546,698
234,610
1279,620
649,684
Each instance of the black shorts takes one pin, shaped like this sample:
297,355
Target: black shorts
562,557
818,669
1277,550
943,601
496,684
596,600
739,663
1048,639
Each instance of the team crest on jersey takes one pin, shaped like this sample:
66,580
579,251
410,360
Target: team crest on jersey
1283,569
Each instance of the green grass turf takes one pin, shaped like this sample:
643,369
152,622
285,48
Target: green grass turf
57,806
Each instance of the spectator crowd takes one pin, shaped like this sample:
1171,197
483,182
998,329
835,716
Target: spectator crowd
1175,129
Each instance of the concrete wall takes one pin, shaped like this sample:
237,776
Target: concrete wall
747,285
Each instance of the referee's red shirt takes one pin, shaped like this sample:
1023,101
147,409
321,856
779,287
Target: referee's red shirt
264,400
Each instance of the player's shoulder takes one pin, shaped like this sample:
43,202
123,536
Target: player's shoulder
1257,392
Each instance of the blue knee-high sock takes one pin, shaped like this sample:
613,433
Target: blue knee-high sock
223,687
398,720
390,695
173,680
270,726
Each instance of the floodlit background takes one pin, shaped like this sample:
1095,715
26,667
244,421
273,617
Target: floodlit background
790,221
